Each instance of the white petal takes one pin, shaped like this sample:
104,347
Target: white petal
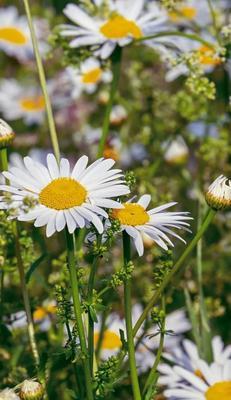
64,168
79,17
71,224
53,167
60,221
144,200
79,167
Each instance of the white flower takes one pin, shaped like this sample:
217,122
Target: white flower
6,134
15,37
188,12
214,383
218,195
126,21
134,219
111,343
176,151
17,101
64,197
187,357
118,115
87,77
8,394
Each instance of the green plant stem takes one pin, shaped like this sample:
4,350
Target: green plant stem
190,36
213,15
4,160
208,219
78,312
42,78
116,62
26,300
128,319
148,387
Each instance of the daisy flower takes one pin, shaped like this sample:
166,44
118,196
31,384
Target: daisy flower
218,195
18,101
126,21
64,197
87,77
44,315
214,383
7,134
176,151
15,39
134,219
187,357
8,394
189,12
118,115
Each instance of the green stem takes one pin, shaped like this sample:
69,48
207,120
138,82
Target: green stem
26,300
190,36
208,219
116,62
128,319
4,159
42,78
78,312
151,377
213,15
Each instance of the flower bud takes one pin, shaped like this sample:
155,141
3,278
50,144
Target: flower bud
6,134
31,390
218,195
8,394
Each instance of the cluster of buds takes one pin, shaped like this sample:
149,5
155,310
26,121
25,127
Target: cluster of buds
6,134
218,195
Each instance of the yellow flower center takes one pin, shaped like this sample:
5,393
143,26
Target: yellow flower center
184,12
32,104
207,56
92,76
118,27
220,390
131,214
110,340
39,314
62,194
13,35
110,152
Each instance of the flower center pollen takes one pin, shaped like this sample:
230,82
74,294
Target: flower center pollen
220,390
207,56
110,341
62,194
92,76
184,12
118,27
32,104
13,35
131,214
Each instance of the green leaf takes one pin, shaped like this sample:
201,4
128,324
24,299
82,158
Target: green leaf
34,266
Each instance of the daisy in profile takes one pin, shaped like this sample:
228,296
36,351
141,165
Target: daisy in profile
186,355
218,195
176,151
126,21
18,101
87,77
63,197
213,384
190,12
156,223
111,343
15,37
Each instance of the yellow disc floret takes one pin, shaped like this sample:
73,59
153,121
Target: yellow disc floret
32,104
92,76
208,56
62,194
118,27
13,35
131,214
220,390
184,12
110,340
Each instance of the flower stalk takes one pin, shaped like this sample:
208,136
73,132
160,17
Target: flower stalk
190,36
128,320
78,312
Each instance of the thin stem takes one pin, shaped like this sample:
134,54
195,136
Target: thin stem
78,312
42,78
4,160
26,300
116,62
213,15
151,377
128,319
208,219
190,36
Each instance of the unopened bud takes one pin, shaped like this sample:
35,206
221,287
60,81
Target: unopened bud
6,134
31,390
218,195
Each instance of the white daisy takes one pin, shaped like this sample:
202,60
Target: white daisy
176,151
134,219
189,12
15,37
126,21
64,197
218,195
7,134
8,394
187,357
111,343
18,101
118,115
87,77
214,384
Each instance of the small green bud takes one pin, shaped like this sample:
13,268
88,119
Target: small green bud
218,195
31,390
